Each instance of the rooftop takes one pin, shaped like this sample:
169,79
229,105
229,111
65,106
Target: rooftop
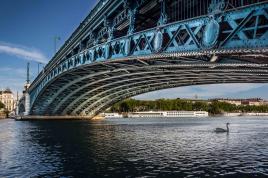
6,91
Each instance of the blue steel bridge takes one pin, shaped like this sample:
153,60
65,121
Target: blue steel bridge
125,48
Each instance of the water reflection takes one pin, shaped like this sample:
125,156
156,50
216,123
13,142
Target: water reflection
134,148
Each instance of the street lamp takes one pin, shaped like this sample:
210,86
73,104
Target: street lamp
38,64
56,39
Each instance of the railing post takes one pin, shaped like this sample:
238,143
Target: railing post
212,29
108,24
163,17
110,28
132,13
80,47
95,36
216,7
158,40
90,38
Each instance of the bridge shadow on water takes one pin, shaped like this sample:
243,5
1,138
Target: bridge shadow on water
138,148
83,149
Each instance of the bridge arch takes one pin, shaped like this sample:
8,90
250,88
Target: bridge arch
114,56
92,96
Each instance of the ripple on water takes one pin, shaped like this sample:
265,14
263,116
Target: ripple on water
134,148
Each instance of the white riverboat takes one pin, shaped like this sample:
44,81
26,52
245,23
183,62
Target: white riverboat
112,115
178,114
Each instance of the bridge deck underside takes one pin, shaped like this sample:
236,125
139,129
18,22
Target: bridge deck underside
90,89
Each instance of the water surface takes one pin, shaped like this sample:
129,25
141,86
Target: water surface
134,148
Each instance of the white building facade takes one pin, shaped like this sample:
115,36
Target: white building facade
7,98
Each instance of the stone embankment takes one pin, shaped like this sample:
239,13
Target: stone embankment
32,118
2,116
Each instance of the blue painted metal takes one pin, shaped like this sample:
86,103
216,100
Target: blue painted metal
220,31
216,7
211,33
163,17
158,41
142,41
132,19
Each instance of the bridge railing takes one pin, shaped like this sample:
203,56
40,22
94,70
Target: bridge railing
239,3
186,9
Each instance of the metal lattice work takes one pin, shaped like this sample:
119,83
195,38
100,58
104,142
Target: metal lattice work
146,45
87,93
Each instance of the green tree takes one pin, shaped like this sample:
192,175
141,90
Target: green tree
132,105
124,107
214,108
198,106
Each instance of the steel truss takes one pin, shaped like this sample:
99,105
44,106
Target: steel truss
87,92
216,48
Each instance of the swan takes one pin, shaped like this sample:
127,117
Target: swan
218,130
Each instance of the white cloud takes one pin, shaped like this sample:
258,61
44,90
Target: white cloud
9,70
23,52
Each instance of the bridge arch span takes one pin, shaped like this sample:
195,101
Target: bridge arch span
85,93
167,81
104,104
116,53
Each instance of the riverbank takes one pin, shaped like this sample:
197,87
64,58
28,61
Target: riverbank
179,114
243,114
213,107
2,116
36,118
116,115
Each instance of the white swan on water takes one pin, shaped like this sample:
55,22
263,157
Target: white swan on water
218,130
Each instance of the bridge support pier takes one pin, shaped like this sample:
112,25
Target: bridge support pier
27,104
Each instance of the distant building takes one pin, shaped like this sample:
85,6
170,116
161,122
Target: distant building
195,100
238,102
265,102
7,98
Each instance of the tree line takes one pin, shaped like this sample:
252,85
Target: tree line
213,107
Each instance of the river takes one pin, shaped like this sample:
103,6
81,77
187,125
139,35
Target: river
134,148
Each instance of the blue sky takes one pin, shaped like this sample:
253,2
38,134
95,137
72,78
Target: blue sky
27,29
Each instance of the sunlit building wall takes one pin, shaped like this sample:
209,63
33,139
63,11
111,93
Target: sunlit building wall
7,98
